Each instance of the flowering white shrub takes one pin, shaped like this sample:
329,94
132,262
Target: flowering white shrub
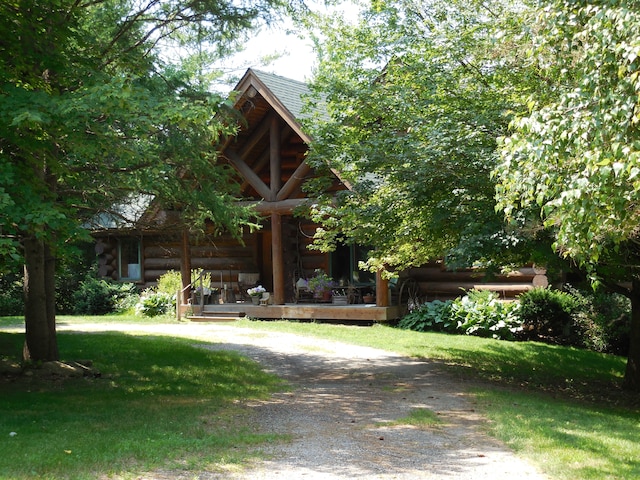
255,291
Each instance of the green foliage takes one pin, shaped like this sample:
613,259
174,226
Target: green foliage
71,269
483,314
416,97
98,296
11,295
93,111
595,321
602,321
547,315
72,266
478,313
576,156
154,303
432,316
170,282
200,277
320,283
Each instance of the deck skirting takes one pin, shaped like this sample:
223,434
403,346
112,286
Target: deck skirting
295,311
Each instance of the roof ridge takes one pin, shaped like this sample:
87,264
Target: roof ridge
262,72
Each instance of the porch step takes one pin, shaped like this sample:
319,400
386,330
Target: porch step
217,316
214,318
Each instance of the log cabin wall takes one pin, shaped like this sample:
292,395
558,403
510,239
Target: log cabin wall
106,249
436,282
223,256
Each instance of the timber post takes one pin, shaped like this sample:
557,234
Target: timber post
278,259
275,181
382,290
185,268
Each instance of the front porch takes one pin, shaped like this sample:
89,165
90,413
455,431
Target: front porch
354,313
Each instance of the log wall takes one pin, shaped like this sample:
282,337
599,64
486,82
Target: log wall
223,256
436,282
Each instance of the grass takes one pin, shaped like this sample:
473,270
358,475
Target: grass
160,403
576,372
561,408
418,417
565,439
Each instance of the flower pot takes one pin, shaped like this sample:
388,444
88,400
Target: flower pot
369,299
255,299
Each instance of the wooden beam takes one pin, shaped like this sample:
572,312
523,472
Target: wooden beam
283,207
248,174
263,128
274,157
294,181
278,259
257,166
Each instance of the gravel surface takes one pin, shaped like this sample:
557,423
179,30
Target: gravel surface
341,397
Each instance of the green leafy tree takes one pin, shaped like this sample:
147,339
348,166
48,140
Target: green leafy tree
416,95
91,113
576,156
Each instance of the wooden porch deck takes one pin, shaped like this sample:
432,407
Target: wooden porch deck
355,313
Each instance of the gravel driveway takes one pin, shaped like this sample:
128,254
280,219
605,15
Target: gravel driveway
341,397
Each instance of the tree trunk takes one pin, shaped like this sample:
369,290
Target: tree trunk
632,374
41,343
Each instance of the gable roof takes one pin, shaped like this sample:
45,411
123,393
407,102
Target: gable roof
290,92
258,92
285,95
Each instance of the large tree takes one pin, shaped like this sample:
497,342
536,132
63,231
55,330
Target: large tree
92,113
576,155
416,95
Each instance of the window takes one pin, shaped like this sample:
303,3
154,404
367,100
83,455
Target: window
129,259
344,266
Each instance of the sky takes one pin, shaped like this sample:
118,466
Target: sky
297,55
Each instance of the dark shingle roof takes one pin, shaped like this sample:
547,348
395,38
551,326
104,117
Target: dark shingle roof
290,92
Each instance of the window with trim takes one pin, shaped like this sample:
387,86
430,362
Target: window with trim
129,259
344,266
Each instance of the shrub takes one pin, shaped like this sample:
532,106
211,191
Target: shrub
483,314
598,321
171,282
71,269
547,315
602,321
153,303
478,313
11,295
97,296
431,316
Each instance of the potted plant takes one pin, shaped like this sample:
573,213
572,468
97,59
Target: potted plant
340,296
368,297
321,284
256,293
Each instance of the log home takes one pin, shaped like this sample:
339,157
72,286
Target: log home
269,156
